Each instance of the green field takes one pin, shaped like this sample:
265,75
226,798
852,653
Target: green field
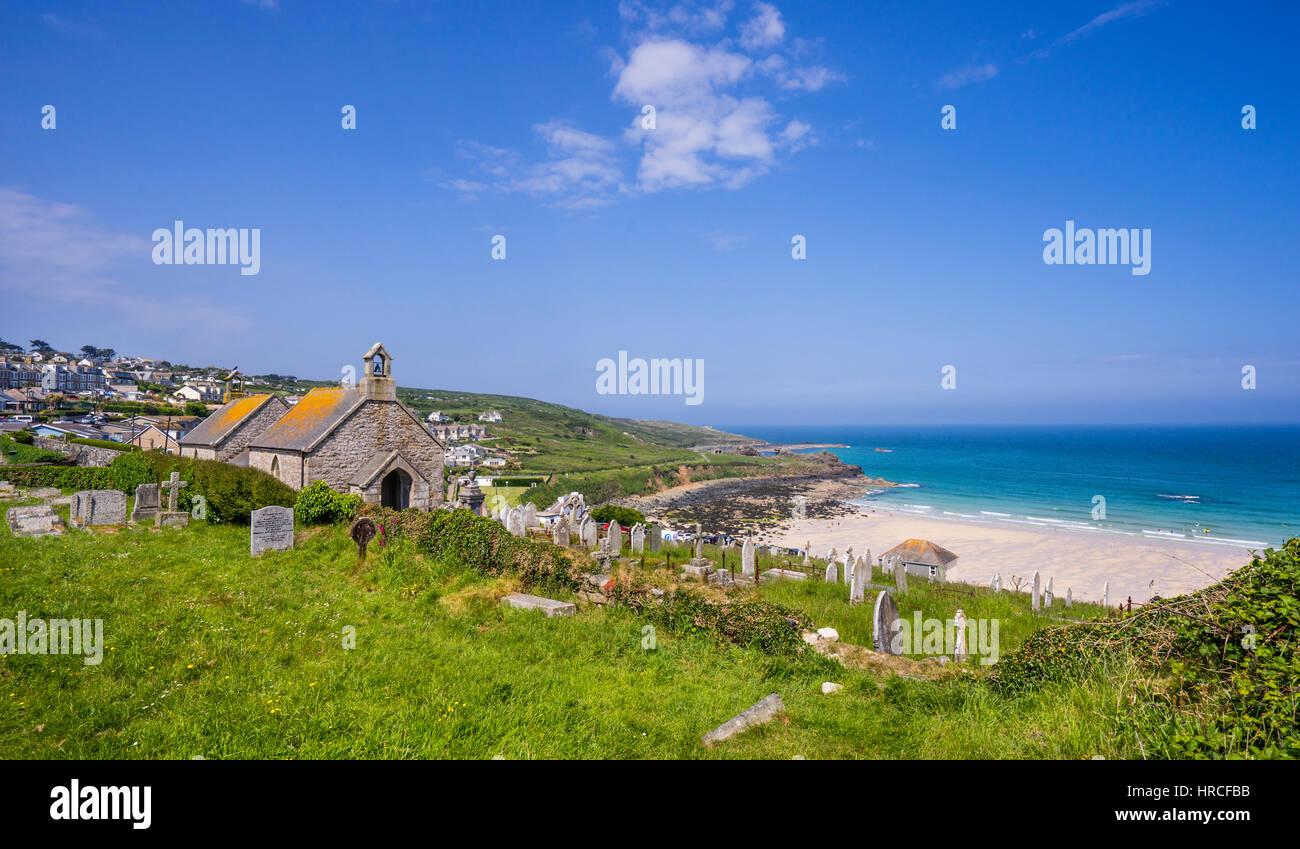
210,652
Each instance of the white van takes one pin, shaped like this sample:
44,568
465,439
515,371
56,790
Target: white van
25,419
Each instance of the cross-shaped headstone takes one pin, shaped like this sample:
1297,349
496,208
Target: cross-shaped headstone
173,487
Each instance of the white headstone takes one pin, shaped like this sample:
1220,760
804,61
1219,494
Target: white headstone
832,573
638,538
747,567
271,528
1105,594
1036,602
959,623
1069,596
848,565
615,536
861,577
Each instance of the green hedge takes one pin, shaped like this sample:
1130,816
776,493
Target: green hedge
231,492
318,504
63,477
105,443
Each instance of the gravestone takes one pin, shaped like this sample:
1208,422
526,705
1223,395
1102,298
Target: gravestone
656,537
271,528
45,492
1105,594
747,567
147,505
861,577
560,534
1069,597
764,711
34,520
885,626
615,536
834,556
1036,601
1047,594
98,507
996,583
173,516
848,566
515,522
783,575
900,575
867,562
590,535
549,606
832,573
959,623
530,515
638,538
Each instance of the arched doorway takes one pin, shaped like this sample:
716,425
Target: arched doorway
395,491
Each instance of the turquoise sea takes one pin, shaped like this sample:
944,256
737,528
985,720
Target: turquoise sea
1239,483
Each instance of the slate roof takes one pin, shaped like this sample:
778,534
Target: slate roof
921,551
219,425
318,413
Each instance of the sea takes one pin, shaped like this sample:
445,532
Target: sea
1212,485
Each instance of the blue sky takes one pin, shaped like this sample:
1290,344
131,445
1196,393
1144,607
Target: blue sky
924,246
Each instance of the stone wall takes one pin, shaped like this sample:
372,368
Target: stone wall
379,425
85,455
289,469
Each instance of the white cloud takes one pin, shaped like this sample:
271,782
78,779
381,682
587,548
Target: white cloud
967,75
713,124
765,29
58,253
1135,9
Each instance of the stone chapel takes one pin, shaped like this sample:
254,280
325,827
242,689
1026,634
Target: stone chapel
357,439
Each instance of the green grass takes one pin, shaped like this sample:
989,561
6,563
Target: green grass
210,652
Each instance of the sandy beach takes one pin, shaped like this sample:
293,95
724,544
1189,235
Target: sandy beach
1079,560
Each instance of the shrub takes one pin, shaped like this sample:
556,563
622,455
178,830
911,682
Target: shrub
625,516
130,470
317,504
105,443
232,493
486,546
62,477
23,436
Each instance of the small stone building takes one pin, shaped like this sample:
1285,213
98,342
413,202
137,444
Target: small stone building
225,434
357,439
922,558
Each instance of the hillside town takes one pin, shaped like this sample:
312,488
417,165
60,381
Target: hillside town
63,398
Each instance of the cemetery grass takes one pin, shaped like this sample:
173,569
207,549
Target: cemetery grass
209,652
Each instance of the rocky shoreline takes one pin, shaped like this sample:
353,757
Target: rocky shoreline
740,506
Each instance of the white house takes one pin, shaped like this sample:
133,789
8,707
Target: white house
490,416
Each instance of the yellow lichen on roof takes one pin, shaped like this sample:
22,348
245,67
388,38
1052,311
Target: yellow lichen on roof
307,413
230,414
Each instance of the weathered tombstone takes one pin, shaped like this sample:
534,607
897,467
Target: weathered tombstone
615,537
173,516
832,573
747,567
996,583
362,532
900,575
530,515
848,565
656,537
1069,597
699,542
885,626
590,534
959,623
515,522
861,577
147,503
700,566
98,507
560,534
34,520
271,528
1105,594
764,711
867,562
834,556
638,538
1047,595
1036,601
45,492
